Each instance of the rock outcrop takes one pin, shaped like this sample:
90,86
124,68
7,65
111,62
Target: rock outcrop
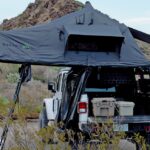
41,11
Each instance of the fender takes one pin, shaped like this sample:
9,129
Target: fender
48,103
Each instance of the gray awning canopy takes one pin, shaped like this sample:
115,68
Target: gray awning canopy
86,37
93,30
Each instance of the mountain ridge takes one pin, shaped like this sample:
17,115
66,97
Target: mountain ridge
41,11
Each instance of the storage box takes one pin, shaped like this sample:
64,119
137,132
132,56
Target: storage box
103,106
125,108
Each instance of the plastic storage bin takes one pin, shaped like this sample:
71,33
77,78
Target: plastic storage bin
125,108
103,106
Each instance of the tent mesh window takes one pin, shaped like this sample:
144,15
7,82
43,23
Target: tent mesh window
93,43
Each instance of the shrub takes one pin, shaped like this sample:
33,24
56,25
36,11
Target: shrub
52,137
140,140
12,77
4,105
44,74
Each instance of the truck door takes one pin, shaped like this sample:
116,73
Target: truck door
58,95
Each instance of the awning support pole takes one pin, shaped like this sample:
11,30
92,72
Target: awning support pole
23,74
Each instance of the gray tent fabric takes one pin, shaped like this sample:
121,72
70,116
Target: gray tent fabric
44,44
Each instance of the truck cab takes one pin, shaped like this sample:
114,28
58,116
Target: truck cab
51,105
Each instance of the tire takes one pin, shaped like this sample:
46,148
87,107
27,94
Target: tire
43,121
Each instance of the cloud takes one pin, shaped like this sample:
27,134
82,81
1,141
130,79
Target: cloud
138,21
147,12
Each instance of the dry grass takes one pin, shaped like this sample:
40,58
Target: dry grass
33,92
26,137
145,48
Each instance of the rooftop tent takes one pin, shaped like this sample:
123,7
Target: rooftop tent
86,37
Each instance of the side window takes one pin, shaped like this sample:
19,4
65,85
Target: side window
58,82
63,81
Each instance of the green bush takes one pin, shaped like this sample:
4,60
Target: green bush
12,77
4,105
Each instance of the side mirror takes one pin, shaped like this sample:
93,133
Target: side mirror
51,86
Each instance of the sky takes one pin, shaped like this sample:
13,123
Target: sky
134,13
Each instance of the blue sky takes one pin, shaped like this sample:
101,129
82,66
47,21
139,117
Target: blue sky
134,13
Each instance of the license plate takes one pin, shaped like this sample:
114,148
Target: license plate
121,127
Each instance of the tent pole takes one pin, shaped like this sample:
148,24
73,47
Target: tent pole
23,74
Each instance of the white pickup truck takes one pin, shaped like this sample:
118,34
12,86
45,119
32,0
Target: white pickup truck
83,94
51,105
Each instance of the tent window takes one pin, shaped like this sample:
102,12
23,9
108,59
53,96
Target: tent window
94,43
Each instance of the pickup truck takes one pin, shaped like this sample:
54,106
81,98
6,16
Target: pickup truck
82,94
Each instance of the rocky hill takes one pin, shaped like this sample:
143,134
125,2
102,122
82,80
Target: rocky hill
145,47
41,11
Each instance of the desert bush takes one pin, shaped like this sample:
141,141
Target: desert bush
54,138
30,99
12,77
32,95
42,73
80,4
4,105
25,138
45,74
140,140
5,20
8,68
32,92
